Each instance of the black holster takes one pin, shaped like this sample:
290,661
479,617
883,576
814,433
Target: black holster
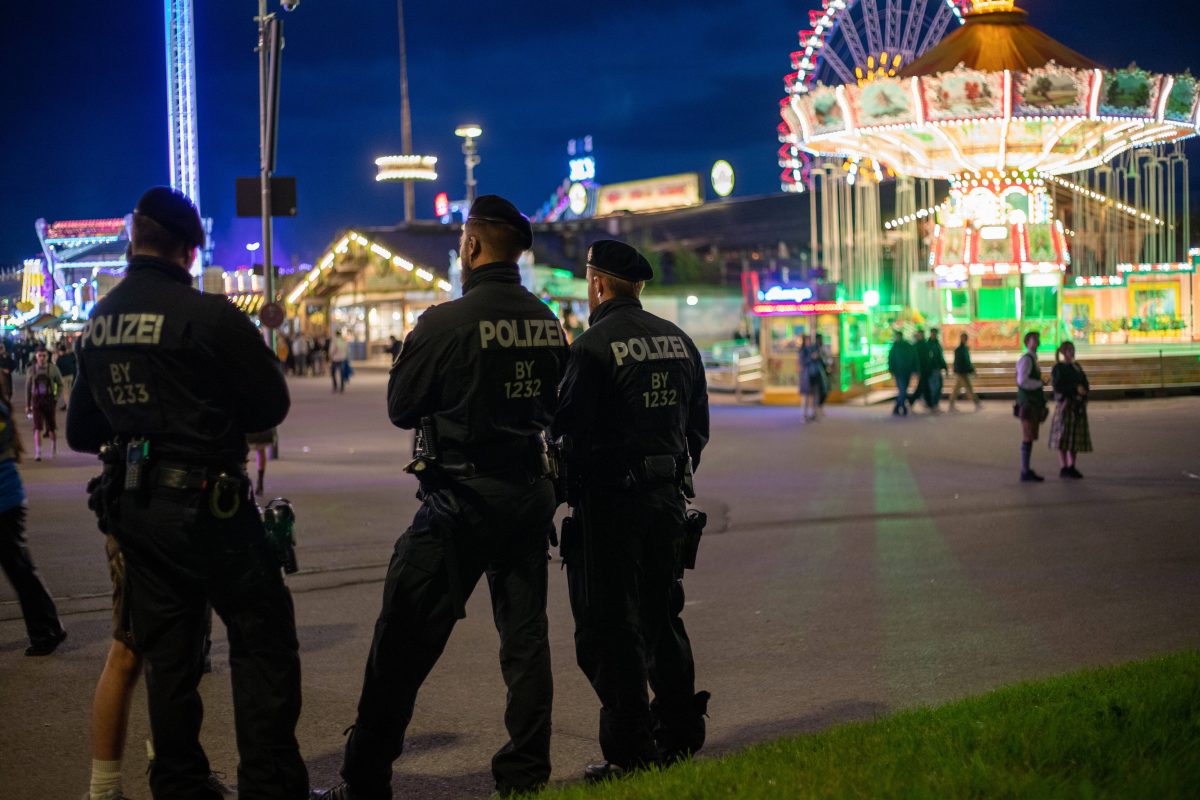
104,490
693,529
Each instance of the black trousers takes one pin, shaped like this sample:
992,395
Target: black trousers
179,558
626,589
483,526
41,617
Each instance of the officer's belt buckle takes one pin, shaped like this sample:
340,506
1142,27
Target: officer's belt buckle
195,479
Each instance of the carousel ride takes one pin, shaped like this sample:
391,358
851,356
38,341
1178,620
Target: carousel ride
1027,134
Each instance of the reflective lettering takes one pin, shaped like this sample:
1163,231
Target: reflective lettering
487,332
520,333
637,348
620,350
123,329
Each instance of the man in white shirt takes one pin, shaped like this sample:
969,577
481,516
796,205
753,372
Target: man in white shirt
338,352
1031,402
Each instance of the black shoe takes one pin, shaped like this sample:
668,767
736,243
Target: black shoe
214,782
46,646
340,792
602,771
1074,472
1029,476
1065,472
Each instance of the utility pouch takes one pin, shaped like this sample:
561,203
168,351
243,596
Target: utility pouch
687,485
693,529
137,456
104,489
651,470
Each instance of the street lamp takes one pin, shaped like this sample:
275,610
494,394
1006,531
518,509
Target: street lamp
469,133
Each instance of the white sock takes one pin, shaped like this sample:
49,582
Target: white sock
106,780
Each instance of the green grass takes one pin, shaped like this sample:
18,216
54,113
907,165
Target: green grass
1127,731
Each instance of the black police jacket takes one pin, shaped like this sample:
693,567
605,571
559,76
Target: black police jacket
485,367
186,370
634,387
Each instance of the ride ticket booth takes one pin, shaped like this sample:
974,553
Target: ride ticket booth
844,325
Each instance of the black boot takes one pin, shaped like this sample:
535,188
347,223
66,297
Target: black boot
602,771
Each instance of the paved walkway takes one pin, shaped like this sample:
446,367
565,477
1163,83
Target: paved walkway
853,566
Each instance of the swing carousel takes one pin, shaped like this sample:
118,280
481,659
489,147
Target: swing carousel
1015,159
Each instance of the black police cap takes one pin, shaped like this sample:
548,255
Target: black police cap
494,208
172,209
619,260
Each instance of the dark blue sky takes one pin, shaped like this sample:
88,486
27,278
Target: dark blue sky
662,85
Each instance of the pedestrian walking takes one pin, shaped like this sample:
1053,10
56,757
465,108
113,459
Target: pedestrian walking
1069,430
1030,407
634,419
902,363
43,384
924,368
170,381
42,625
339,351
964,370
937,371
261,443
300,354
810,377
487,506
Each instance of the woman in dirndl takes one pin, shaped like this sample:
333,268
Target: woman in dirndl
1069,432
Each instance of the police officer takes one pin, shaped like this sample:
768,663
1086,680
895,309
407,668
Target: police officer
633,410
172,380
477,377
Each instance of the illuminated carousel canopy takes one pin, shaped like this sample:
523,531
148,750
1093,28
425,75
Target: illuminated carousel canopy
993,42
995,95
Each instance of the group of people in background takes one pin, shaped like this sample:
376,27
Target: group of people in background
303,355
924,358
50,373
1069,430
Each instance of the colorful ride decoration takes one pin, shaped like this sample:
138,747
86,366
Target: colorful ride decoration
1012,120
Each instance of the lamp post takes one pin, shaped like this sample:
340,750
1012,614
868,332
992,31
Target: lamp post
469,133
270,47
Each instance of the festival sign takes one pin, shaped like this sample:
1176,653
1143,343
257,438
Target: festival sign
1051,90
655,194
1129,92
825,111
886,101
963,93
1181,102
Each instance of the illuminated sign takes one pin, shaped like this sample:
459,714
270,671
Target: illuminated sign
722,178
1093,281
441,205
786,294
1160,268
582,169
819,307
577,198
655,194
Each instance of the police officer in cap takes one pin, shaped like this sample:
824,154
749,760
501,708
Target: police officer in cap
633,416
477,378
170,381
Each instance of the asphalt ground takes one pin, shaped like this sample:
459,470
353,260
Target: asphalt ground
852,566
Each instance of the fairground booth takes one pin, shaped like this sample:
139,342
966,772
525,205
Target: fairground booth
788,313
1141,303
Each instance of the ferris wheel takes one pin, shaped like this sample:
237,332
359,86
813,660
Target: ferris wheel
853,41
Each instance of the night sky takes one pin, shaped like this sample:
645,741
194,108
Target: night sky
663,86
